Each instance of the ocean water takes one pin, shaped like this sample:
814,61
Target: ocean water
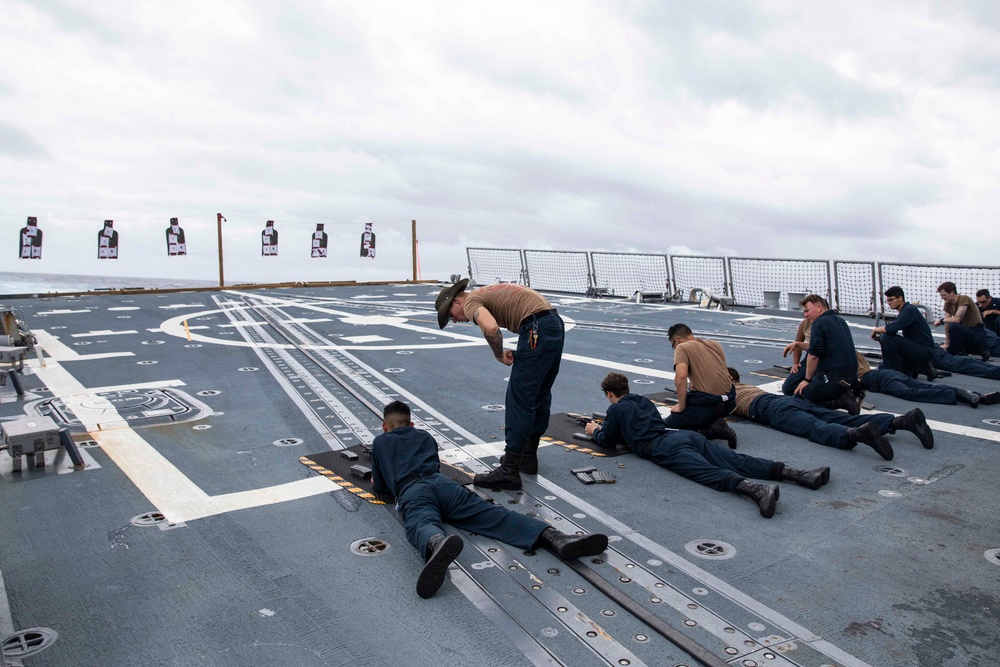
42,283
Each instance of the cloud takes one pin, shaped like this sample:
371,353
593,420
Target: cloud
756,128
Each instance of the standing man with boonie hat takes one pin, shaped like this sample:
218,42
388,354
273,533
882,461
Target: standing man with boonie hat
534,364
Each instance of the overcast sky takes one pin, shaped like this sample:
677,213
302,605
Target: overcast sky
853,130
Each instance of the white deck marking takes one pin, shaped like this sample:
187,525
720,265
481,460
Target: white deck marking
166,487
61,312
365,339
106,332
175,306
124,308
60,352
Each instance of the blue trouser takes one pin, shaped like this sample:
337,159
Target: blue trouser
429,503
797,416
690,455
902,354
894,383
993,341
701,409
529,390
966,340
965,365
821,388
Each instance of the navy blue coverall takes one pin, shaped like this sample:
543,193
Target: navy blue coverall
796,416
964,365
529,390
830,340
635,421
405,464
904,353
885,381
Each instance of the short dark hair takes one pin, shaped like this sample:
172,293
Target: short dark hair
948,287
984,292
894,291
679,329
616,383
814,298
734,374
396,414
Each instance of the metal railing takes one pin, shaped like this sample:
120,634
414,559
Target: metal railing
853,287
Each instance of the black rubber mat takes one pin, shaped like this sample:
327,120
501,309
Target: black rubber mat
337,466
563,430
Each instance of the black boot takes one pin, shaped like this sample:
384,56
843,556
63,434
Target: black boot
926,369
529,459
914,422
765,495
441,552
846,401
720,430
811,479
870,435
968,397
992,398
504,477
569,547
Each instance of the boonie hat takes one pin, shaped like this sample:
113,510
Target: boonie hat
443,302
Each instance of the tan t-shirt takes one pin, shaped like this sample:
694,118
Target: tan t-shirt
971,317
706,365
745,395
508,303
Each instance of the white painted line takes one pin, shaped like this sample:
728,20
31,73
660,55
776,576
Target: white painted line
175,306
58,351
166,487
365,339
124,308
230,502
162,384
61,312
303,320
106,332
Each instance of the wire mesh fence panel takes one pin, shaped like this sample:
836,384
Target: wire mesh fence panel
920,282
558,270
624,274
855,287
697,272
495,265
751,277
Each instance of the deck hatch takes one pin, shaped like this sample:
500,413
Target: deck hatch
24,643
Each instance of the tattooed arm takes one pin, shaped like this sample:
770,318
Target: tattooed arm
491,332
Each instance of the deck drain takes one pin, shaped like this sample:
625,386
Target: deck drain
201,427
81,343
288,442
394,370
643,361
711,549
87,444
752,361
209,392
193,345
891,470
148,519
152,342
148,362
886,493
28,642
248,369
643,381
628,342
369,546
992,422
992,555
493,408
404,351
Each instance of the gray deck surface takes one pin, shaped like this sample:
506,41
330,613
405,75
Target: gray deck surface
257,568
